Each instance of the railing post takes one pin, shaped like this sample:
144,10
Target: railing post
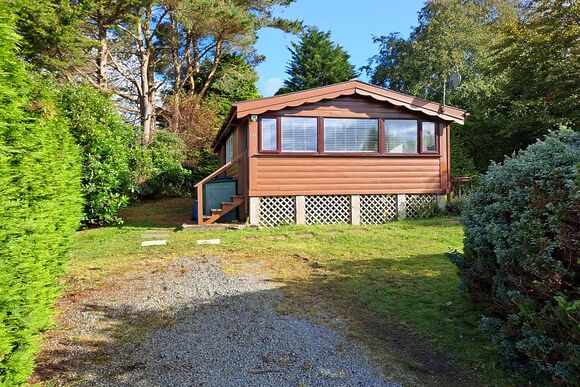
200,204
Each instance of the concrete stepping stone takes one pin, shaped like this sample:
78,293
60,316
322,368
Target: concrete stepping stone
154,243
208,242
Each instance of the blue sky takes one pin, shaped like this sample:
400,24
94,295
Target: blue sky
352,24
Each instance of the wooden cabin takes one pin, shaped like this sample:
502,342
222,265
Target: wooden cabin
345,153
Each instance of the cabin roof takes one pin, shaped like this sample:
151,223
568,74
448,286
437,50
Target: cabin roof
352,87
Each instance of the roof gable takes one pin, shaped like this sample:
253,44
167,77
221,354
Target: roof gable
354,87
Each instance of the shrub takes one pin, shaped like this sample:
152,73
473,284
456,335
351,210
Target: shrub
522,232
40,208
158,168
106,144
456,205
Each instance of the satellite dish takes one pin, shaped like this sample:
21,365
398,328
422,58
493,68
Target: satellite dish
454,80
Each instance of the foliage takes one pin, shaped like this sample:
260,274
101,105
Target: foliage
158,169
105,142
201,163
462,163
50,32
540,57
39,211
456,205
521,256
316,61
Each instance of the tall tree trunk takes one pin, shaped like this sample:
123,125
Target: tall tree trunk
102,58
147,90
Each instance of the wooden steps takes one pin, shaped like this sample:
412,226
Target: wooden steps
225,208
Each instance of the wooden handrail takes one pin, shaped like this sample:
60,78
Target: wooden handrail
199,185
221,169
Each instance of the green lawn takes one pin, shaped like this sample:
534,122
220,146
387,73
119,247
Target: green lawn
392,283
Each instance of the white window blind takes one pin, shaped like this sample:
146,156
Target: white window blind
351,135
428,137
269,135
229,148
299,134
401,136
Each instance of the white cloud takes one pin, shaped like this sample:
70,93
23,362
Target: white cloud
269,87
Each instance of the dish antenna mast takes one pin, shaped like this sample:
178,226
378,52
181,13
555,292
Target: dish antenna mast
453,80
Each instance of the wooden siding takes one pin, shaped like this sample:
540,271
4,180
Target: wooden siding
286,174
275,175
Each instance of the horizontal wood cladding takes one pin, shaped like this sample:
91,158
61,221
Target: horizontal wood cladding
347,175
351,107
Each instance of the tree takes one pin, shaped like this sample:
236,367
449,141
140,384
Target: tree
139,49
316,61
519,63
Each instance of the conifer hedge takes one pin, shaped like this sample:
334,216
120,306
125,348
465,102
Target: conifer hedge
522,244
40,208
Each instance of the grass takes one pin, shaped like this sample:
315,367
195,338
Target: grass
392,283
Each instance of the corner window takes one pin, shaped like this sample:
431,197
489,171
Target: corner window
428,137
401,136
350,135
229,148
299,134
268,134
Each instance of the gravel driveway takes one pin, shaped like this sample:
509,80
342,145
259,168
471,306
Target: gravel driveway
193,325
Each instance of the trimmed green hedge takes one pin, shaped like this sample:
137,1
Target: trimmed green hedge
40,208
522,243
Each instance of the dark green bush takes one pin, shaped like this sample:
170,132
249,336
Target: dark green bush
522,240
158,168
456,205
106,144
40,208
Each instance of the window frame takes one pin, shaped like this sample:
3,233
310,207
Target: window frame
382,145
420,142
278,139
229,146
419,151
318,150
351,153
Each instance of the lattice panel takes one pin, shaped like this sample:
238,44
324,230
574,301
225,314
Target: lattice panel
327,209
419,206
277,210
377,209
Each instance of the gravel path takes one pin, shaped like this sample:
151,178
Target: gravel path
193,325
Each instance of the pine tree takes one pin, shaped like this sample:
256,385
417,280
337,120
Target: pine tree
316,61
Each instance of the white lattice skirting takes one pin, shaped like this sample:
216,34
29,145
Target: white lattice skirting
378,209
277,210
271,211
331,209
420,206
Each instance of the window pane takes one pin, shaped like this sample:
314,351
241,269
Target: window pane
401,136
269,140
229,148
350,135
428,137
299,134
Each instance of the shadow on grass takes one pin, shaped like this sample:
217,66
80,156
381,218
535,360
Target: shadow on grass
158,213
220,337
